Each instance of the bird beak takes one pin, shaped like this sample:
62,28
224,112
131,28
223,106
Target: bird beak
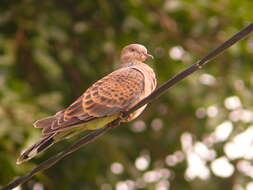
148,56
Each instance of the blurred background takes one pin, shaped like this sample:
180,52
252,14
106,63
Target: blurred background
199,135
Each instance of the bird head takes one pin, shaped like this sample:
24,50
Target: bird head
134,53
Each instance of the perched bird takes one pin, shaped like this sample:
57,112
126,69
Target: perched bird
101,103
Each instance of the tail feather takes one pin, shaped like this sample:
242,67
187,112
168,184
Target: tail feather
49,138
36,148
45,122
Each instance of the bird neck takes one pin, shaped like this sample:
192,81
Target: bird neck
132,63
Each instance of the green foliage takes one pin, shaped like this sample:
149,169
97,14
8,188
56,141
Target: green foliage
51,51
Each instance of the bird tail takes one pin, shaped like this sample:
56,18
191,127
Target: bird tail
43,144
45,122
49,138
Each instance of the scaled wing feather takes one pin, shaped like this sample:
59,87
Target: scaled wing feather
114,93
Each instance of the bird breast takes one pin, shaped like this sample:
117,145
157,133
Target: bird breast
149,86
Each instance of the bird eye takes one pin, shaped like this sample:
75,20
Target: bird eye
132,49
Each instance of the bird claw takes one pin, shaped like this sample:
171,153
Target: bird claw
122,116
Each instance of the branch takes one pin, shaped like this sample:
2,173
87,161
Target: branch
91,136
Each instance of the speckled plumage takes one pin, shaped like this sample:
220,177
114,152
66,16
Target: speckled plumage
102,102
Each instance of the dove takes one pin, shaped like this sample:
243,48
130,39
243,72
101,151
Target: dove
101,103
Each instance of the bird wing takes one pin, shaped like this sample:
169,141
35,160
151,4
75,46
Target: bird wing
112,94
